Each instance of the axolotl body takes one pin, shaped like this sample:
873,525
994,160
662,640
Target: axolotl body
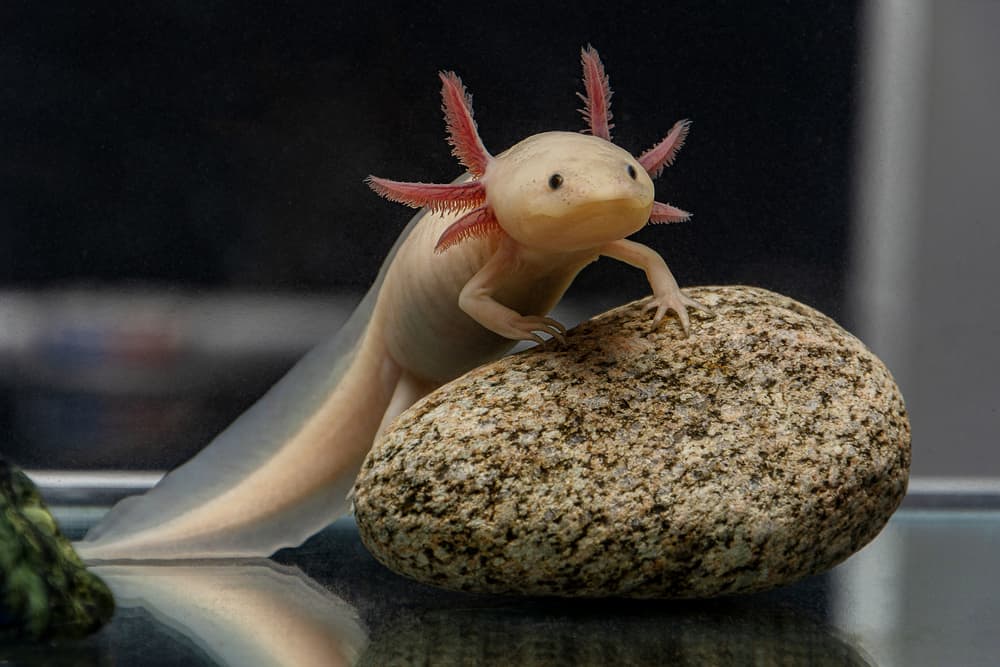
478,269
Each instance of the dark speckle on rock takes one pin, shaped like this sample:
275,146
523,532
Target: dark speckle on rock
768,446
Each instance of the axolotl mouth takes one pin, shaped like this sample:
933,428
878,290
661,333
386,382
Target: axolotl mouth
590,224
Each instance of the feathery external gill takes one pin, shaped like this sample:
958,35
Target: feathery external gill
597,100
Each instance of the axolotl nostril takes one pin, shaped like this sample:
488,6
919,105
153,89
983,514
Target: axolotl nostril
479,268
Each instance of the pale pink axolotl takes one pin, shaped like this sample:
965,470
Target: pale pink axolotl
479,268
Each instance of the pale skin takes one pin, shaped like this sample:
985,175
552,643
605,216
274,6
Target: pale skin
476,272
585,223
512,260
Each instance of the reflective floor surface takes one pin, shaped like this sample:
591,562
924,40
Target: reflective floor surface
923,593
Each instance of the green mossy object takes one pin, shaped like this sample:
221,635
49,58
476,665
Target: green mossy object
45,590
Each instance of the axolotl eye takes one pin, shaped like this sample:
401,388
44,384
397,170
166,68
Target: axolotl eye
631,172
555,181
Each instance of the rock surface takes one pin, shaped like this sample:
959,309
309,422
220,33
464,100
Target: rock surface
768,446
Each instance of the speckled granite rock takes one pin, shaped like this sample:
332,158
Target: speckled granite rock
768,446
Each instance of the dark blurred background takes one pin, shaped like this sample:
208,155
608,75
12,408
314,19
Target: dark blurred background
223,144
182,207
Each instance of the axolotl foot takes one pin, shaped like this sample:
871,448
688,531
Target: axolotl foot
678,302
525,326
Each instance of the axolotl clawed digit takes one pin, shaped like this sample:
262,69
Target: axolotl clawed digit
477,269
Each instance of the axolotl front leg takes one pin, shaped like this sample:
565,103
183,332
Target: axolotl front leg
667,296
477,298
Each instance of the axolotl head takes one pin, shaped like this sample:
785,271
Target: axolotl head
555,191
564,191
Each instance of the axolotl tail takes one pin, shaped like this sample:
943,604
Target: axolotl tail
277,475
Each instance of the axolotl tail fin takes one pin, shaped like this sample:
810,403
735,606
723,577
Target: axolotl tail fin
279,473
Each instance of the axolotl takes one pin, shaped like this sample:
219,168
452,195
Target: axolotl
478,269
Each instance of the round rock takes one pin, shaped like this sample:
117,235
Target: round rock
631,461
